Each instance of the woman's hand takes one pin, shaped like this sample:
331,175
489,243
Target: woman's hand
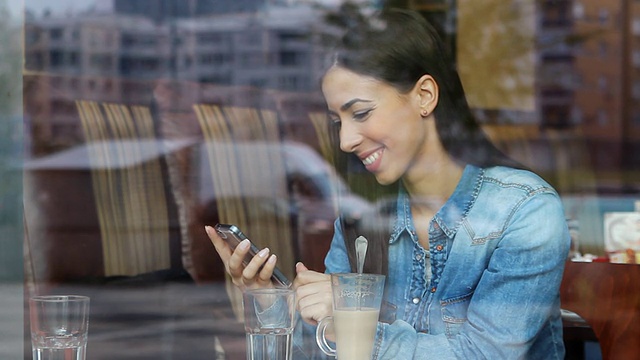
257,273
313,294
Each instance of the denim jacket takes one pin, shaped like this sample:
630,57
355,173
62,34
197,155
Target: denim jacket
491,291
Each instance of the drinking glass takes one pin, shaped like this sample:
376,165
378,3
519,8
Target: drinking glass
268,323
59,327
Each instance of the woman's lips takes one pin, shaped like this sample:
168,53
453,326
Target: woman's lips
373,160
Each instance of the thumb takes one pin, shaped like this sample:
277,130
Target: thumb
300,267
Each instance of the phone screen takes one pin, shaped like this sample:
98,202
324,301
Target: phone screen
233,236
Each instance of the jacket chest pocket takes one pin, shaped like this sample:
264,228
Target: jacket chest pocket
454,313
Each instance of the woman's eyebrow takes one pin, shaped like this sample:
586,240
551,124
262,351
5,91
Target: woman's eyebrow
350,103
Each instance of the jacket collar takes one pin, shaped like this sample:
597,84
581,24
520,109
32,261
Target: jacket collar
452,213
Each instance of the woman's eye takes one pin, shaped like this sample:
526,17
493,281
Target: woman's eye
362,115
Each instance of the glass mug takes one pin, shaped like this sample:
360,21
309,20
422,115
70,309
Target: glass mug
356,307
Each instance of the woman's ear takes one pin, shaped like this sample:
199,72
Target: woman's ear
427,90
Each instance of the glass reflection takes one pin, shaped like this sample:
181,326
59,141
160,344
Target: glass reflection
128,105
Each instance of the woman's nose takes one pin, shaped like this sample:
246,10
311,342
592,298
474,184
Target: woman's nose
349,137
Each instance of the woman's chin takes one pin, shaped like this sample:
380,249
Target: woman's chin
384,180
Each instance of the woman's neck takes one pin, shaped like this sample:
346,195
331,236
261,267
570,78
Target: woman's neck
433,188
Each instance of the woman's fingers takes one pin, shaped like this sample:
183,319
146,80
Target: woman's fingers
315,306
251,271
220,245
300,267
267,269
313,294
257,273
304,277
234,265
310,294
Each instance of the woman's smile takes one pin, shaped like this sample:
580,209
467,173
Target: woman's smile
372,161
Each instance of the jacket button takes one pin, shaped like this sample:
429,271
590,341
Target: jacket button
416,300
439,247
433,289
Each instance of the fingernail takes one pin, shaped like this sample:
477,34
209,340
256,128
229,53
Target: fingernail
244,244
207,229
263,252
272,259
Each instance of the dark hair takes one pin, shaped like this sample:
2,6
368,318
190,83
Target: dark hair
398,46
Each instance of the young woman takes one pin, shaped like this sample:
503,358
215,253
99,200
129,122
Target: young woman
474,256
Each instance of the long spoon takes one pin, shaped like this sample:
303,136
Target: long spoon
361,251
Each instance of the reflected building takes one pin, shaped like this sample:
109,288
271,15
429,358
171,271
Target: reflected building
556,64
272,49
166,10
587,82
116,57
607,105
271,46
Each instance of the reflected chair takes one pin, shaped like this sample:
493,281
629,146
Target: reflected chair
242,150
128,187
321,126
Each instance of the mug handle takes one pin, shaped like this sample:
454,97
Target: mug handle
321,340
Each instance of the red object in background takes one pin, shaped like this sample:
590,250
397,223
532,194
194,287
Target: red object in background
607,296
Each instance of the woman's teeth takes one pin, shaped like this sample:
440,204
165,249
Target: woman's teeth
371,158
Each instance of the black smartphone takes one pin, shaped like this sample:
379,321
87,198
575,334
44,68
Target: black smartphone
233,236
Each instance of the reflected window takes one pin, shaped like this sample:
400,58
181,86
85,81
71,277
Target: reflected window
602,117
56,58
635,92
209,39
556,13
252,38
56,34
576,115
101,62
603,48
291,37
74,58
603,84
578,10
291,58
603,16
635,27
31,37
636,119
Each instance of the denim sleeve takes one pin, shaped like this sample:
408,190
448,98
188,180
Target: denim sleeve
516,297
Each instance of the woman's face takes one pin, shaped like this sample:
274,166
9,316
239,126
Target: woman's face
383,127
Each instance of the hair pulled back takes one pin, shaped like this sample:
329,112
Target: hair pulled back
398,47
